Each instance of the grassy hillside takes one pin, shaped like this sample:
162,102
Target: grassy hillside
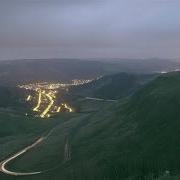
12,97
112,86
138,138
135,138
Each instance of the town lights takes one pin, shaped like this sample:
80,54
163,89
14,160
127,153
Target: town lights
45,98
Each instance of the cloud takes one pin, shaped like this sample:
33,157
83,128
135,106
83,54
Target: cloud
99,27
47,2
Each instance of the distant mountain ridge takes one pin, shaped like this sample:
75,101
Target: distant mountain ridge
25,71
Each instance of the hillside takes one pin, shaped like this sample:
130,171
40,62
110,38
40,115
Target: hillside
112,86
134,138
12,98
138,138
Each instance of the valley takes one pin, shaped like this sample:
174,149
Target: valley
89,90
43,97
122,135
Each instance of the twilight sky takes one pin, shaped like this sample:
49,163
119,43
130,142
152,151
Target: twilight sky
89,29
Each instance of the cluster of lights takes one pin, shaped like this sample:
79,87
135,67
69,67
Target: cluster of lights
45,103
53,86
46,96
45,99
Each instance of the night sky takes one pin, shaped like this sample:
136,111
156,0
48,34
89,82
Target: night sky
89,29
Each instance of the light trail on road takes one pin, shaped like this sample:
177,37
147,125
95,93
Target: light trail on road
28,98
39,100
43,114
5,162
67,107
59,109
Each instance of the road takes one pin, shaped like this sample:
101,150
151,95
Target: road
4,163
99,99
51,102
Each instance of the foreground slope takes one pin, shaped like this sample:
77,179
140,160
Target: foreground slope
135,138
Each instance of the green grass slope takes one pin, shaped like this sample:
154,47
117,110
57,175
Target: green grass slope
12,97
137,138
112,86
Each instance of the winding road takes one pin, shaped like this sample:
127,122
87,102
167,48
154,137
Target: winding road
3,164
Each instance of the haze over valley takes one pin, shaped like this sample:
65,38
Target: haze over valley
89,90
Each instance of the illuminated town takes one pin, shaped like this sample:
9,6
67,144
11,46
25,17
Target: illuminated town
53,86
44,100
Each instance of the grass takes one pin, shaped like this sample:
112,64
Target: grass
133,139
